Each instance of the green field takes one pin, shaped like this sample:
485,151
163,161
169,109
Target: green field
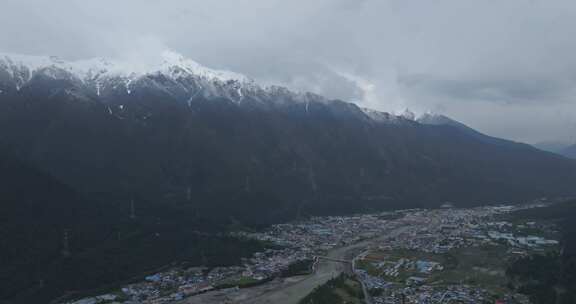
481,266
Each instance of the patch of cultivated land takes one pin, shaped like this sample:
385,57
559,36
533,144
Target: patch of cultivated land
482,266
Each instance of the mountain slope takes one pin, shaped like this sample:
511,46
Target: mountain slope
561,148
441,120
54,242
177,132
35,213
551,146
569,151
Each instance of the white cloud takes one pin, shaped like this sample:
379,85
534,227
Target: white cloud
382,96
519,47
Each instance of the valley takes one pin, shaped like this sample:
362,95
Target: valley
458,254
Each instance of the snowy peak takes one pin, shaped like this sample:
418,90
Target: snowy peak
387,118
434,119
174,62
33,63
178,76
430,118
169,63
409,115
171,74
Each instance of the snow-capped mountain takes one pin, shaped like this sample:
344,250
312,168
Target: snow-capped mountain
174,131
173,74
385,117
23,67
431,118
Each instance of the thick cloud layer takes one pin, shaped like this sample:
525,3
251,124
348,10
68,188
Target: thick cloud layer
507,67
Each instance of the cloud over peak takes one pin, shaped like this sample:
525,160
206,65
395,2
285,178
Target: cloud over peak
466,58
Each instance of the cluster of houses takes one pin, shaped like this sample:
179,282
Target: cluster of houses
407,280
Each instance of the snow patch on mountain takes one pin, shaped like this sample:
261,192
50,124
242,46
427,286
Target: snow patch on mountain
384,117
431,118
172,74
171,64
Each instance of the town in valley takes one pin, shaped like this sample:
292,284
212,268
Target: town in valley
444,255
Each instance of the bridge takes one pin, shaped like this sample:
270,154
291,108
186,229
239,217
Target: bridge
331,259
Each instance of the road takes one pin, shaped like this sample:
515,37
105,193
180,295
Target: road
367,297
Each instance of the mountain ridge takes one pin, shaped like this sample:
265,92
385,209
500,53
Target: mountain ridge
170,133
569,151
560,148
188,80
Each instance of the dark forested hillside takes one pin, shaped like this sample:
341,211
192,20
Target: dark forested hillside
35,214
262,154
53,241
550,278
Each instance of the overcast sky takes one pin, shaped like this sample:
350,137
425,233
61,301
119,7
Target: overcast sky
505,67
